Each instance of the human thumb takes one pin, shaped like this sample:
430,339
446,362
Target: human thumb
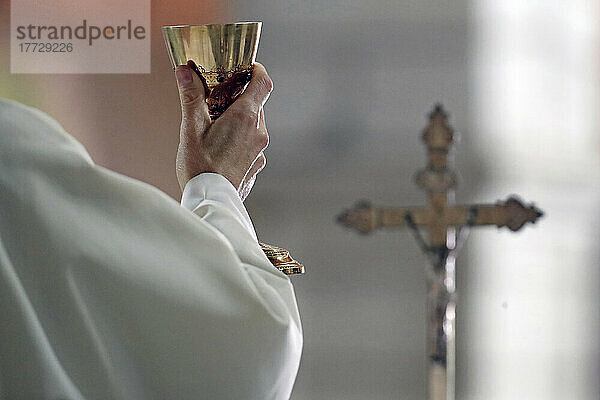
192,92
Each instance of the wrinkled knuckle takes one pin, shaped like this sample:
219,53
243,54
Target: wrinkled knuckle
262,140
246,115
265,82
189,97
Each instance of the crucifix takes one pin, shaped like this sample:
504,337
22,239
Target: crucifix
445,223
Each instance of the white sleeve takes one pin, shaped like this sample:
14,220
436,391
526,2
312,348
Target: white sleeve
214,199
110,289
209,187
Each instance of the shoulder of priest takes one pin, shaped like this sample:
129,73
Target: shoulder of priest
110,289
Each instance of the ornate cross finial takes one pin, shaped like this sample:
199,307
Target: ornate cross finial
437,179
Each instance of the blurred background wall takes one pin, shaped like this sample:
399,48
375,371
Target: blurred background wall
354,80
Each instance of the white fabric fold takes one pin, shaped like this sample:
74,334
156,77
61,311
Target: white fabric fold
109,289
215,187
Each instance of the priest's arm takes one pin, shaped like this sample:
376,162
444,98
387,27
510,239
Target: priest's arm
109,289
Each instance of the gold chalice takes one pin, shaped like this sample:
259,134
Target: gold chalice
223,56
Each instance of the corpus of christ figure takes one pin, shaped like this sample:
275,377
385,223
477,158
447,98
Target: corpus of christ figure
442,220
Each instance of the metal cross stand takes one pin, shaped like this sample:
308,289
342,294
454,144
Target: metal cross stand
443,220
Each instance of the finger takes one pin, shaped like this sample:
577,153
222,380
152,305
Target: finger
262,129
194,67
247,188
250,177
258,165
259,89
192,94
262,126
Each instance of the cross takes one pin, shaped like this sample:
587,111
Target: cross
441,219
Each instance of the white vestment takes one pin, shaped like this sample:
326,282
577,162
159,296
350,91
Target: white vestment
110,289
